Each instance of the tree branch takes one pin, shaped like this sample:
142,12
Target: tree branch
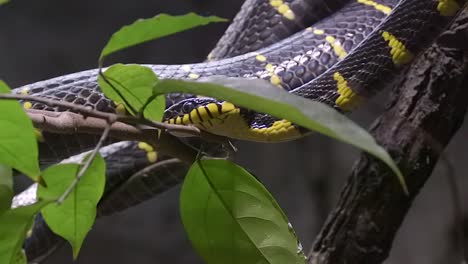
87,111
428,107
83,119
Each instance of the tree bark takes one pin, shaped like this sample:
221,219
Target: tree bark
428,106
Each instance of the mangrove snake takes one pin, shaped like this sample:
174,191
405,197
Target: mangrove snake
340,60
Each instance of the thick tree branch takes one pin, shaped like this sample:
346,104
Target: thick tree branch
428,107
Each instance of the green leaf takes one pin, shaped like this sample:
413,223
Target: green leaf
14,225
263,97
6,188
20,257
144,30
231,218
135,84
4,2
18,146
75,216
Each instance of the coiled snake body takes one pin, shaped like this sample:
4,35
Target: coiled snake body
340,60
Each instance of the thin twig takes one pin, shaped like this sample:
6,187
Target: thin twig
86,165
186,130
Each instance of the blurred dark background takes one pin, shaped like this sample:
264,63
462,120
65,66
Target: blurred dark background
48,38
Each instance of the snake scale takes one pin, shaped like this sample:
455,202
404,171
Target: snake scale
339,53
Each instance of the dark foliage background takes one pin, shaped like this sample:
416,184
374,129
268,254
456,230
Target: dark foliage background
48,38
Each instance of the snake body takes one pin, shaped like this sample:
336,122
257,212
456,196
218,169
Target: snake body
341,60
310,63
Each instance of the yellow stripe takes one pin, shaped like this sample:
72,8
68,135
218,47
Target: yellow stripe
151,155
186,68
337,48
269,68
382,8
212,109
195,117
203,113
227,107
348,100
275,79
316,31
448,7
186,119
27,105
400,54
260,57
145,146
193,76
283,9
24,91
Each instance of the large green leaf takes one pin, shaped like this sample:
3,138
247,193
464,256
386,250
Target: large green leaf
263,97
75,216
6,188
231,218
18,146
144,30
135,84
14,225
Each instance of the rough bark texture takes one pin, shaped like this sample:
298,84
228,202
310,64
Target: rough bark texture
428,107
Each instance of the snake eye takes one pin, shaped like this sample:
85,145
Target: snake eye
187,107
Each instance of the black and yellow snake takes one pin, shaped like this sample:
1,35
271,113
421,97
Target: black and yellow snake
339,53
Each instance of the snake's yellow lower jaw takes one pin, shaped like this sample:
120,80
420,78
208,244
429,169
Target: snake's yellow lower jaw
225,119
233,125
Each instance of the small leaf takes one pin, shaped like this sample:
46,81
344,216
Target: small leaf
75,216
14,225
4,2
144,30
263,97
135,83
231,218
18,146
6,188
